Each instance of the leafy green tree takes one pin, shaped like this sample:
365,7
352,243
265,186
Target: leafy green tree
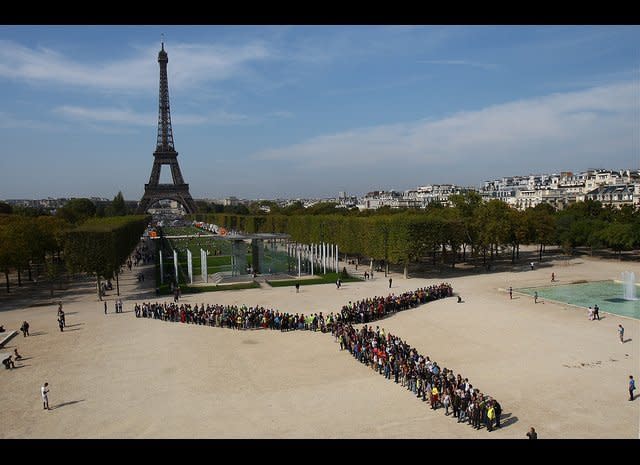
31,211
101,246
5,208
7,251
118,206
618,236
542,225
77,210
466,204
517,232
322,208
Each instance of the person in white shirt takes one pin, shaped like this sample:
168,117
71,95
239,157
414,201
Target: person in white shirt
45,396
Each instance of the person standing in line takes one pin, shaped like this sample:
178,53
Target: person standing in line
510,292
390,280
532,433
498,411
632,387
621,333
45,396
491,414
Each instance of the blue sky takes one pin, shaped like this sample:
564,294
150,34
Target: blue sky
307,111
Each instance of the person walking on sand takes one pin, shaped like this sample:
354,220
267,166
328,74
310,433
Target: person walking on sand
621,333
535,297
105,307
553,277
596,315
632,387
25,328
510,292
390,280
45,396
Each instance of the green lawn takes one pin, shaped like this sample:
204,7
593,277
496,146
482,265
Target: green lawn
165,289
181,230
329,278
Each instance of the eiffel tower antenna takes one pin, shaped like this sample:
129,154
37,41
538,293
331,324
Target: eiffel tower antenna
165,153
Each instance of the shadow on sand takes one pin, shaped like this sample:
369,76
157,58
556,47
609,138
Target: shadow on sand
64,404
510,420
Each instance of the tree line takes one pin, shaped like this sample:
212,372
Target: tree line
471,228
75,239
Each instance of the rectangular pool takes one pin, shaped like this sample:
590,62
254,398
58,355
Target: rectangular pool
607,294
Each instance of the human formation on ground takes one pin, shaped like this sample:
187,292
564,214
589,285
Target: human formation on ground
385,353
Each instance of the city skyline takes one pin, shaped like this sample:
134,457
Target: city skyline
289,112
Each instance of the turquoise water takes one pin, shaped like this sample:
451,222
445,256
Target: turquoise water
607,294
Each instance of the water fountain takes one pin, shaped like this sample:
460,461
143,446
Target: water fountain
629,285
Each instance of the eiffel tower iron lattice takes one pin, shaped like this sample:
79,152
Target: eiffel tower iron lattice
165,154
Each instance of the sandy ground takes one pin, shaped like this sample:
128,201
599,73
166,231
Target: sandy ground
115,376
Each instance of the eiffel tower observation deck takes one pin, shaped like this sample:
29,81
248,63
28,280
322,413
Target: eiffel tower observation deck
165,154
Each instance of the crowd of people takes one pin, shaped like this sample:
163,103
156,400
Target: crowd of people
390,356
384,353
243,317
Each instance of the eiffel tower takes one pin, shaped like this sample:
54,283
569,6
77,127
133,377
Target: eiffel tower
165,154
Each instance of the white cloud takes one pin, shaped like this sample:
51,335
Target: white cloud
129,117
189,65
474,64
281,114
107,115
559,130
9,121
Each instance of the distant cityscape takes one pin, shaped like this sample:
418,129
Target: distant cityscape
611,187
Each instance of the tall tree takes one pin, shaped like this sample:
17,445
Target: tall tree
118,206
77,210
